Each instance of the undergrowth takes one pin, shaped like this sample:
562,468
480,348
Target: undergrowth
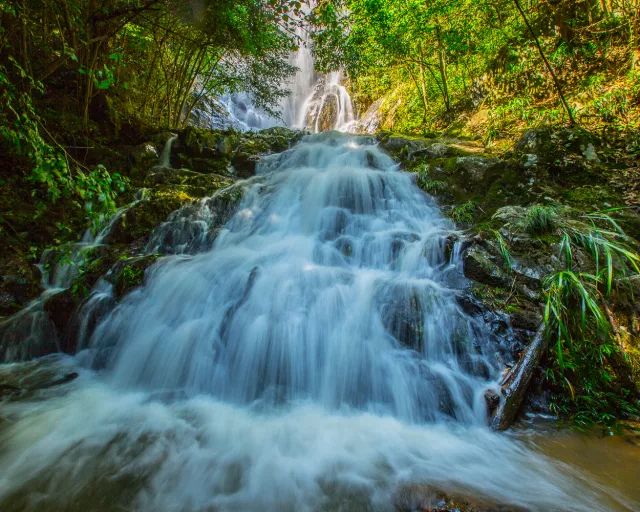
588,370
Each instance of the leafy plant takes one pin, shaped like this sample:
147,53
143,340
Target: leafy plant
507,259
464,213
94,190
586,358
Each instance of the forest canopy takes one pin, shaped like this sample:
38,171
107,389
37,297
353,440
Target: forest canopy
526,62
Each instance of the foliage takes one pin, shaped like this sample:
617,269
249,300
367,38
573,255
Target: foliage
434,64
464,213
95,190
588,364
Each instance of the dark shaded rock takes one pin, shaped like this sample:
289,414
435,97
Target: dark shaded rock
527,320
143,157
60,308
492,399
402,315
480,266
469,305
19,283
129,273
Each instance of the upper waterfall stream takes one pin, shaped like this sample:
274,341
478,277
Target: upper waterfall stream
314,358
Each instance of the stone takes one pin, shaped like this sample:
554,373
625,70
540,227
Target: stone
492,399
480,266
475,167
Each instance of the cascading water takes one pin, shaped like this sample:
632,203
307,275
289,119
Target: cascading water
352,256
314,358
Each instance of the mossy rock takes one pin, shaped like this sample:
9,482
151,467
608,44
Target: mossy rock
19,282
139,221
129,273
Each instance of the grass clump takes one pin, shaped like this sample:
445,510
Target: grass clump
540,220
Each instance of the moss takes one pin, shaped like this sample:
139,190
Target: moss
464,213
128,273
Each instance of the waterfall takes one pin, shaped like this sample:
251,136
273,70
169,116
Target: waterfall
361,310
312,358
315,102
164,161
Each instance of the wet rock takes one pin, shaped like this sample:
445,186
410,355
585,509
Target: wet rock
470,305
402,315
22,380
194,227
426,498
492,399
143,157
479,265
129,273
60,307
19,283
527,320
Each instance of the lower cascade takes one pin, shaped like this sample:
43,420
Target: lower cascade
313,357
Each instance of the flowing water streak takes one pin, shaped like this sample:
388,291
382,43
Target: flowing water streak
352,256
314,359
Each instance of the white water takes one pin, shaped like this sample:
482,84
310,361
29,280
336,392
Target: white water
267,373
315,102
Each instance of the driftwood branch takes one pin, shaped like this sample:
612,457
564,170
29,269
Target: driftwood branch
516,382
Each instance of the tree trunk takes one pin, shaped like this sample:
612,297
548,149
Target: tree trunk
556,82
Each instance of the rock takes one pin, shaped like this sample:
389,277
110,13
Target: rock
129,273
527,320
143,156
590,153
480,266
19,283
530,160
492,399
402,315
60,307
469,305
474,166
510,214
369,122
426,498
435,150
193,227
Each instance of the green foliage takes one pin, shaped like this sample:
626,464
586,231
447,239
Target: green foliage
539,220
94,190
586,357
433,63
464,213
503,247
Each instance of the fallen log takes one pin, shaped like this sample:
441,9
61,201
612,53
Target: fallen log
515,383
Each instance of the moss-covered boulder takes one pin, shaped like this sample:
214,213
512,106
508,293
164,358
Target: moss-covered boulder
129,273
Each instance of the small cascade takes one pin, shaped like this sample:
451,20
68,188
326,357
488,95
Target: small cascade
164,160
31,332
315,102
329,106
